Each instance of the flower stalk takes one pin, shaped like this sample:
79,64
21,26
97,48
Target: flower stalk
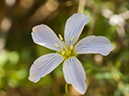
66,90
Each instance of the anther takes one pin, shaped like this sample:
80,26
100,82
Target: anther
72,38
56,45
60,37
63,52
71,47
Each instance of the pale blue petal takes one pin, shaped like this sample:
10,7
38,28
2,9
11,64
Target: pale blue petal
45,36
94,44
74,74
44,65
74,27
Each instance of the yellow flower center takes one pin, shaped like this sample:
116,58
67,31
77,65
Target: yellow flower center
67,51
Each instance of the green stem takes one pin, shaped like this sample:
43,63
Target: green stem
66,89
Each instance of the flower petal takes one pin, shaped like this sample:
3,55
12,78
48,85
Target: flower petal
45,36
44,65
74,74
74,27
94,44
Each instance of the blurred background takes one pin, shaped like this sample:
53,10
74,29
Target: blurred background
106,75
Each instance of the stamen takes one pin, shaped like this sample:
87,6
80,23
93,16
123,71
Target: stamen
60,37
71,47
72,38
63,52
64,45
56,45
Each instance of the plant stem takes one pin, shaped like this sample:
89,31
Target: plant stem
66,89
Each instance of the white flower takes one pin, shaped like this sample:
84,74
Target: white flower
66,51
